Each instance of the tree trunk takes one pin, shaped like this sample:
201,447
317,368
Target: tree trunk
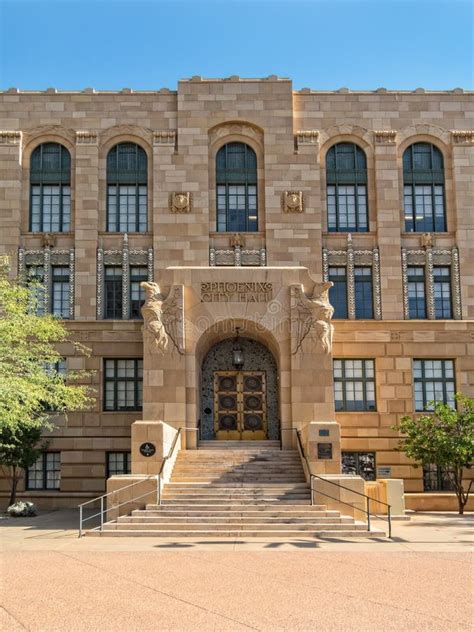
14,484
458,475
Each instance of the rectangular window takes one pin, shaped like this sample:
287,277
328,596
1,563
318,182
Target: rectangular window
354,385
123,381
37,295
433,382
50,208
363,292
137,293
118,463
416,292
360,464
347,208
435,479
113,292
338,293
237,207
60,291
127,208
442,291
424,208
45,473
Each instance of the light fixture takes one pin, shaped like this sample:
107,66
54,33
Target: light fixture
237,351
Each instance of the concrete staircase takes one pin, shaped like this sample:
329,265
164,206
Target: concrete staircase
237,489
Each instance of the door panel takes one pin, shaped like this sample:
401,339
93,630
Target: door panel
240,410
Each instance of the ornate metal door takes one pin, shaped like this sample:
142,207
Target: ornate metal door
240,410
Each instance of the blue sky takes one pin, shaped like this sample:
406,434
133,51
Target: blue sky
111,44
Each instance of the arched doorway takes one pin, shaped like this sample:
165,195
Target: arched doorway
239,402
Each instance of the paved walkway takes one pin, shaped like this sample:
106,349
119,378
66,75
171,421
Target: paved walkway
52,581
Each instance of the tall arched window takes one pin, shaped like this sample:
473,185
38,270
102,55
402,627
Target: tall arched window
346,177
127,206
50,189
423,189
236,179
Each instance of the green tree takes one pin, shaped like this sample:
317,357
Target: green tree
444,437
33,395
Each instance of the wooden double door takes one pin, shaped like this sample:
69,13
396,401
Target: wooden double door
240,407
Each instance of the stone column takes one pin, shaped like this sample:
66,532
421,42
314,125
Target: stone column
86,223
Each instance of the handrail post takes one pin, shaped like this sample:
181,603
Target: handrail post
389,521
368,513
311,479
159,489
101,513
80,521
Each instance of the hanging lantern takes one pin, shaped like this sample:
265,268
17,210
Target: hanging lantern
237,352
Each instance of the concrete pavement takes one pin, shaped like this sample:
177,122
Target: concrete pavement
51,580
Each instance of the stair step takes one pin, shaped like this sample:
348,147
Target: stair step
325,532
233,520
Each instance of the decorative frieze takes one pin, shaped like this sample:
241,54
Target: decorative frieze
47,258
307,137
463,137
385,137
430,257
237,257
86,138
180,202
123,258
292,202
164,137
350,258
8,137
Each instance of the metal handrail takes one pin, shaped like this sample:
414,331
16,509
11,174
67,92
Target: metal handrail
101,513
326,480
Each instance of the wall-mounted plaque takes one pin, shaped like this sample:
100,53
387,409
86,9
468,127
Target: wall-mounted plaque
324,432
384,472
147,449
325,451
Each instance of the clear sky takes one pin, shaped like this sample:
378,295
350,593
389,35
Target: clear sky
321,44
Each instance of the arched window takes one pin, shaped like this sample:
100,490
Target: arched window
127,206
50,189
346,178
236,179
423,189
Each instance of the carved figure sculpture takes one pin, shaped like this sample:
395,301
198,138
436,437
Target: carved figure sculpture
152,312
313,314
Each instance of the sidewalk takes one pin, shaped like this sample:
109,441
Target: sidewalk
53,581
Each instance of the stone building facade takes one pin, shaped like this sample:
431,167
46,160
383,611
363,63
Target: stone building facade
240,197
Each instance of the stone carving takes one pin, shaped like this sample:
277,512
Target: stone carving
86,138
164,137
463,137
180,202
385,137
313,314
426,240
236,129
152,312
8,137
162,316
236,241
307,137
292,202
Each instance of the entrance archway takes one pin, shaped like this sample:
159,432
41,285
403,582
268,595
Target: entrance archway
243,403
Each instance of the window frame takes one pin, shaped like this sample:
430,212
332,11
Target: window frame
337,177
423,380
357,454
132,281
432,178
364,380
443,482
62,279
118,178
115,380
414,279
361,286
248,177
118,289
44,471
339,280
127,459
60,177
440,282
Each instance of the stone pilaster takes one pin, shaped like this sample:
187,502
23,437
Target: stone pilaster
10,194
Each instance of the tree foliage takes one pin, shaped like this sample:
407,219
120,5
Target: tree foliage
32,393
444,438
